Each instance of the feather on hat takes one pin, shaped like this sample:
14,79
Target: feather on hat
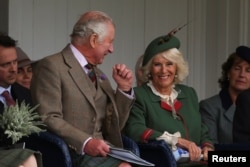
161,44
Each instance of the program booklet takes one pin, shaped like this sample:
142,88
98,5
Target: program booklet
128,156
182,156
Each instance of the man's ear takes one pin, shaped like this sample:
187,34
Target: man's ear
93,40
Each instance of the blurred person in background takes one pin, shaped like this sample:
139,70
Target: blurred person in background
24,74
10,93
138,71
218,111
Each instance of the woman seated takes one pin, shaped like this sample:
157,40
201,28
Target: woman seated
24,74
218,111
164,109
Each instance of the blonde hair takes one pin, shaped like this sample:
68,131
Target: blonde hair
173,55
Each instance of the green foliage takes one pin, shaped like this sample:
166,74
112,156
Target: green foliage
20,121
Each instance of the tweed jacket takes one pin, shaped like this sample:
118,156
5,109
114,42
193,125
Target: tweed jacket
63,90
19,94
217,113
148,119
241,121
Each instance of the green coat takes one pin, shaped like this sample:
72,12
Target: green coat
147,113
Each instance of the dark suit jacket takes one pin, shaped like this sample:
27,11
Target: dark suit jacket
62,89
217,112
241,122
19,93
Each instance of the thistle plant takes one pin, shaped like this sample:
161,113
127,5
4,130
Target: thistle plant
20,121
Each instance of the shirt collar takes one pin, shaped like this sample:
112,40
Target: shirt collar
3,89
79,57
166,98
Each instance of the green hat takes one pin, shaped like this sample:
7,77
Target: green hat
158,45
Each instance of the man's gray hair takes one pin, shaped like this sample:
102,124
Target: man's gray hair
93,22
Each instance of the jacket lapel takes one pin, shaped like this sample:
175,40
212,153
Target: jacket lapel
107,89
229,114
227,104
77,73
103,81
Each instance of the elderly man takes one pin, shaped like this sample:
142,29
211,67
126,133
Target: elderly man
76,99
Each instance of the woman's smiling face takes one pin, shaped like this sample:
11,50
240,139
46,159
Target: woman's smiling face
163,73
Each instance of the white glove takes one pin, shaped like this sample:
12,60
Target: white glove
170,139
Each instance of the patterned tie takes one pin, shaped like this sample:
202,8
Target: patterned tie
91,72
8,98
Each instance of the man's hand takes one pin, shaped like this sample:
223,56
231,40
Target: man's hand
123,77
96,147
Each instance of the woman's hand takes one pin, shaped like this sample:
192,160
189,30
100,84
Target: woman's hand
205,152
191,147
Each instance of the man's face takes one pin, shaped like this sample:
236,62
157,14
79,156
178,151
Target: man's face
8,66
106,46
